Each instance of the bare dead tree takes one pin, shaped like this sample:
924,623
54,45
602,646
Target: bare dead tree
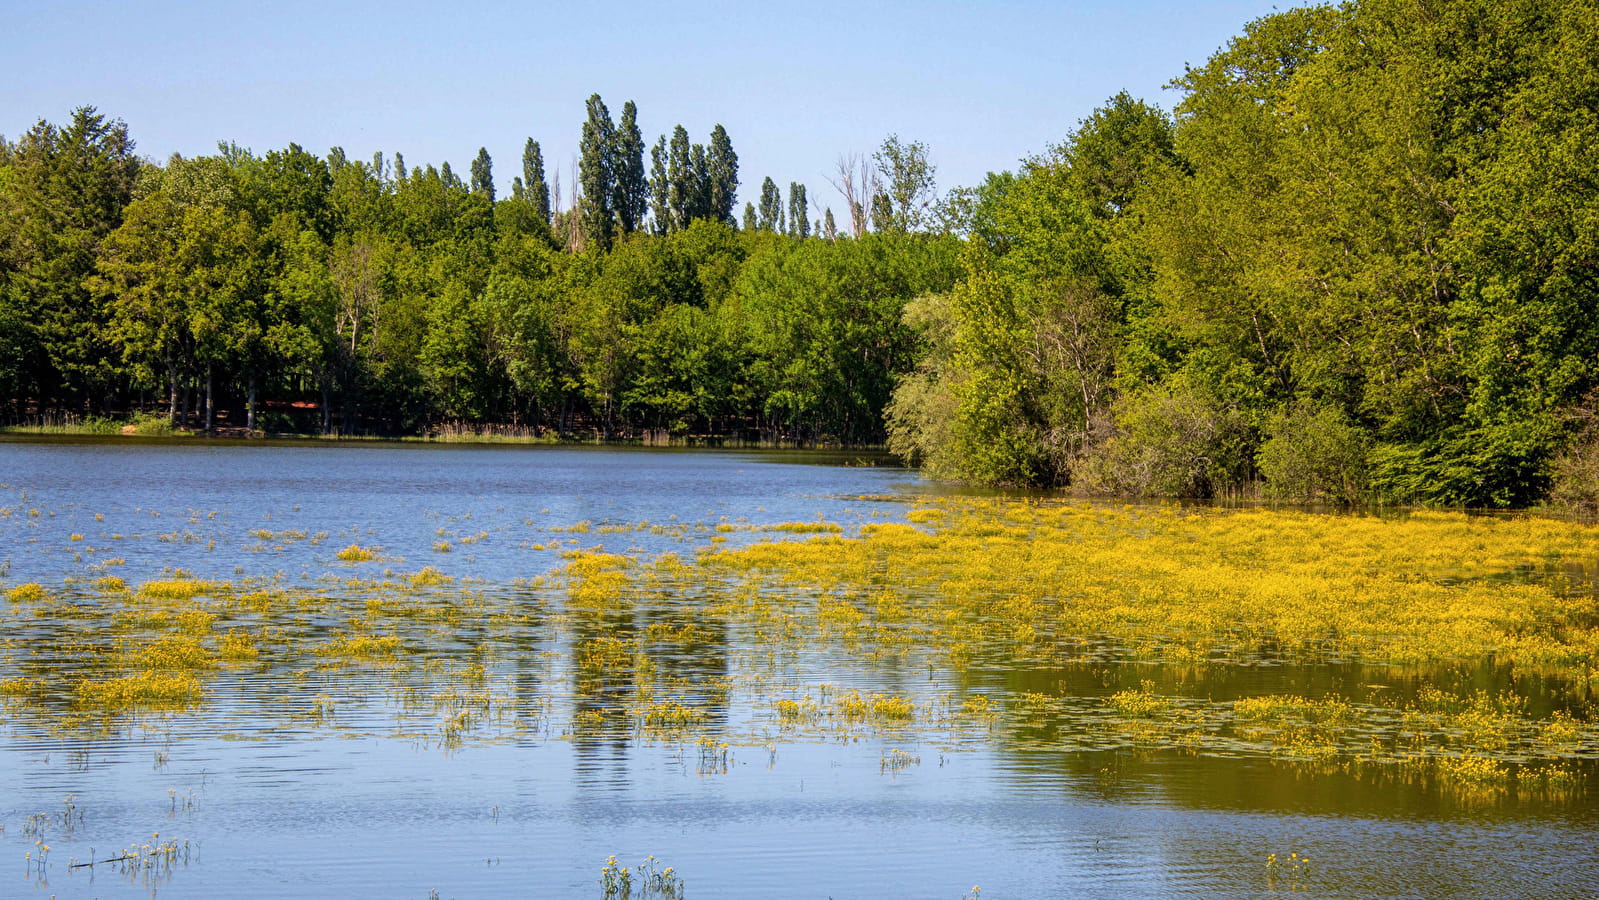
855,180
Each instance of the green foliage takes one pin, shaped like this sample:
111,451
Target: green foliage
483,175
723,177
689,182
1368,227
1466,466
1021,374
1357,261
147,425
630,197
1174,440
769,217
597,166
799,225
824,323
64,192
1314,455
536,190
907,176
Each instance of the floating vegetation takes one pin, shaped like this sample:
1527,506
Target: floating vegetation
1218,585
178,589
805,527
237,645
428,577
30,592
673,714
357,553
875,706
148,688
361,646
175,652
1142,614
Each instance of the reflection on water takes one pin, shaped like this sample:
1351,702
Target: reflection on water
555,692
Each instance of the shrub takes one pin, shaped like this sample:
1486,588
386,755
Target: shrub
151,425
1501,465
1172,440
1314,454
1576,468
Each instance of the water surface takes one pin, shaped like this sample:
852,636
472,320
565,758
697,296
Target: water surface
328,777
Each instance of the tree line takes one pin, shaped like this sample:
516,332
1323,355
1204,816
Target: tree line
387,298
1359,260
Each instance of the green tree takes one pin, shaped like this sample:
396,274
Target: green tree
771,209
597,174
535,187
630,196
483,175
909,187
660,188
65,191
799,223
682,184
824,323
184,278
723,177
700,177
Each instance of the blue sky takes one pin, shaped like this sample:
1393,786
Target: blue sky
796,85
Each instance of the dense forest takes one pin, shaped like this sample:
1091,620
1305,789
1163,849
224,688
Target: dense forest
1358,261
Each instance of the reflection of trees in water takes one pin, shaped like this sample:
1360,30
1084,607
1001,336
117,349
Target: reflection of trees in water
1070,744
525,646
624,659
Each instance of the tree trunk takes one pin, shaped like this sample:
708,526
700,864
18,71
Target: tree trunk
172,394
327,414
210,402
249,406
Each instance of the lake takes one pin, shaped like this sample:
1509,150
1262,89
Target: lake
414,671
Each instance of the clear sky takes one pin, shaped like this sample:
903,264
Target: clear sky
796,85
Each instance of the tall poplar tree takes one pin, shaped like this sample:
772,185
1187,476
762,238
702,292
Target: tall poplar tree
700,166
630,191
597,174
483,174
799,222
660,187
535,188
723,164
681,186
771,210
